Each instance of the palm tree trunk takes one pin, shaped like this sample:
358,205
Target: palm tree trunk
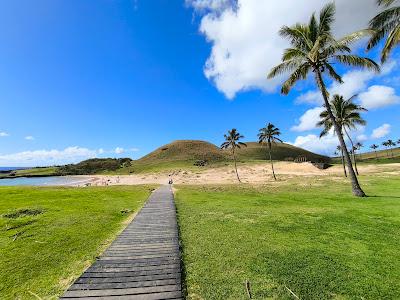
344,166
376,155
357,191
391,150
234,159
270,159
354,153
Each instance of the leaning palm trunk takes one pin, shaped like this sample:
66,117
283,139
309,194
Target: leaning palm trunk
357,191
343,164
354,152
272,164
376,155
234,159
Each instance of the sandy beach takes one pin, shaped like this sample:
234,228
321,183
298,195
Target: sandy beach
255,174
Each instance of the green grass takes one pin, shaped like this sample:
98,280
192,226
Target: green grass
47,171
48,236
309,235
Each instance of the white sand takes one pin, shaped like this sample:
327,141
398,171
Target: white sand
249,173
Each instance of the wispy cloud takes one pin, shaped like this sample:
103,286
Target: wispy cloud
47,157
381,131
29,138
3,134
119,150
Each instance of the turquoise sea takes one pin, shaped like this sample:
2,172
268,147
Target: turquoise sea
43,181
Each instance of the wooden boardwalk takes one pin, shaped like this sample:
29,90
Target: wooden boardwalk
142,263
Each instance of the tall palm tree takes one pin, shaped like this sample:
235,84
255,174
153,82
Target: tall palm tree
315,50
269,135
358,146
374,147
342,156
385,25
232,142
347,116
390,144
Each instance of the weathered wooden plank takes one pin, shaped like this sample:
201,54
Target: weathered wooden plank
154,296
127,279
121,292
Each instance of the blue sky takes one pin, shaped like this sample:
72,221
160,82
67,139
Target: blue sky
119,78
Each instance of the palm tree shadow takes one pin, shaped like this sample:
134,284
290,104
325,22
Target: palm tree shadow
383,196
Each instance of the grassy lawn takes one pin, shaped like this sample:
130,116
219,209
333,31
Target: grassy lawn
310,236
48,236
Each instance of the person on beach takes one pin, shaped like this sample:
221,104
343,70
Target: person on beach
170,179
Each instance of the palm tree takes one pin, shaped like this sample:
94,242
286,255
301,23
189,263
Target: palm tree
232,142
385,24
269,135
391,144
342,156
386,145
398,142
347,116
374,147
314,49
358,146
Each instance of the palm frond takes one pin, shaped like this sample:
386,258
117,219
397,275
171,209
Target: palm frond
357,61
392,40
300,73
333,74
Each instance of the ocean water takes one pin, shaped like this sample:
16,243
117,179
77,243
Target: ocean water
43,181
11,168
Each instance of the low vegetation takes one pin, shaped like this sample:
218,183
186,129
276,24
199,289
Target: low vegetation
305,235
94,166
48,236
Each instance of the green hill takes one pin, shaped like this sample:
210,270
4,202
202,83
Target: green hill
185,150
184,153
178,154
280,151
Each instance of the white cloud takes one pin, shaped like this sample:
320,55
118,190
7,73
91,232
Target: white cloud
134,149
245,40
378,96
325,145
210,5
101,151
47,157
119,150
29,138
381,131
3,134
361,138
309,119
354,82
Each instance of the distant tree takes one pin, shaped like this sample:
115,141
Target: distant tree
347,115
385,24
390,144
232,142
358,146
269,135
314,50
338,148
374,147
387,147
398,142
